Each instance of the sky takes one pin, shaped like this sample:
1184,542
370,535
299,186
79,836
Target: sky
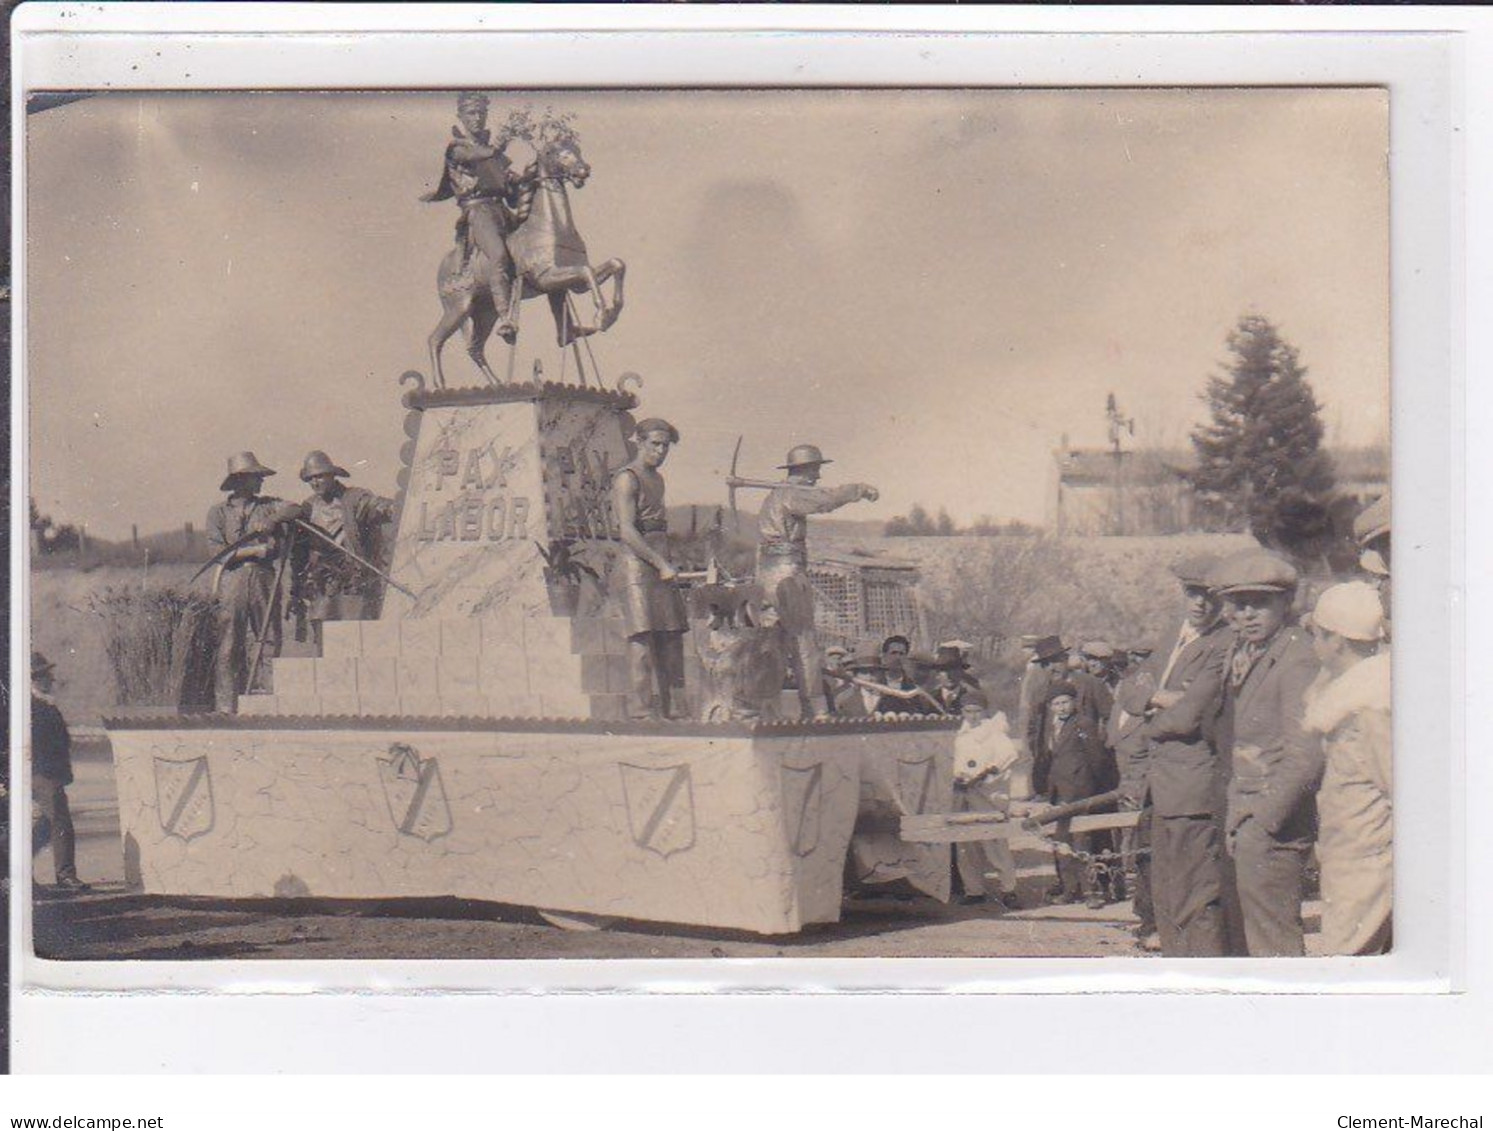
933,286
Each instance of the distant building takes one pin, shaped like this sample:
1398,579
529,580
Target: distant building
1094,491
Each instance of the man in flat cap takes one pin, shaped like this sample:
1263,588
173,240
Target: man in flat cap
478,174
652,606
1276,762
51,774
249,610
1099,661
1172,768
1371,530
334,586
783,559
1349,706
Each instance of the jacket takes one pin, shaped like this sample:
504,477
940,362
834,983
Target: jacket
1275,762
51,745
363,516
1076,765
1095,701
1184,774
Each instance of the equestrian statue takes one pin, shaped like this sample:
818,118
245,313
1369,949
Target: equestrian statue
516,237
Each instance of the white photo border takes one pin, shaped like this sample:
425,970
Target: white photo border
1420,56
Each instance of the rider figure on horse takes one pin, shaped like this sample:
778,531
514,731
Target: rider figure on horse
479,175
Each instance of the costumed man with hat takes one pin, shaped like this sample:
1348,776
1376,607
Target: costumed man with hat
783,559
51,773
249,610
652,605
479,175
1349,706
1275,761
1170,767
334,586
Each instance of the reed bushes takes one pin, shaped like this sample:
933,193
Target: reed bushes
160,643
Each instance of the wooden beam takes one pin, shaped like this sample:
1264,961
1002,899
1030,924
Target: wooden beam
960,828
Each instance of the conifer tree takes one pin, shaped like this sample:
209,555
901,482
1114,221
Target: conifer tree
1260,463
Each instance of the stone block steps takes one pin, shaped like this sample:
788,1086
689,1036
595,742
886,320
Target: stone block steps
542,667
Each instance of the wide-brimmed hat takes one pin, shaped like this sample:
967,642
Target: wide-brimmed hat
319,463
243,463
1098,650
865,662
1049,647
803,455
1253,571
656,424
40,665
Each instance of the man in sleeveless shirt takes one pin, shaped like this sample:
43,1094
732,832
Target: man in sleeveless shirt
783,558
652,606
477,174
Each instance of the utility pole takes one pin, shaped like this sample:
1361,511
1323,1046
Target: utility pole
1119,424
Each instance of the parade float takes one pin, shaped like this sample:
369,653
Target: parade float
474,741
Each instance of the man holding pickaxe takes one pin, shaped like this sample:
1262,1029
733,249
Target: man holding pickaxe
783,556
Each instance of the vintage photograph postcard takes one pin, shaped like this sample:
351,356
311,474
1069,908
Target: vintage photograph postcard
811,523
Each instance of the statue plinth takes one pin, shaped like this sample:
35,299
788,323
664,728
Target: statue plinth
506,540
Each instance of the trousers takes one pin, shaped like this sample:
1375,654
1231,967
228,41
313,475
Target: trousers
246,612
486,231
655,663
1187,886
1268,874
54,825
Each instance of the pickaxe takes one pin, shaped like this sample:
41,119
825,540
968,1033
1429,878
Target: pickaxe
733,481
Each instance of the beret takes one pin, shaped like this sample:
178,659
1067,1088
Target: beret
1253,571
1058,690
656,424
1352,609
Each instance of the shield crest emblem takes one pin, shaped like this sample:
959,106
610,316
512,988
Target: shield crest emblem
660,807
915,783
803,793
415,793
184,797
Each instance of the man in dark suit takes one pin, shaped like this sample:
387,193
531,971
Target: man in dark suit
51,774
1072,766
1180,778
1276,763
1093,699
